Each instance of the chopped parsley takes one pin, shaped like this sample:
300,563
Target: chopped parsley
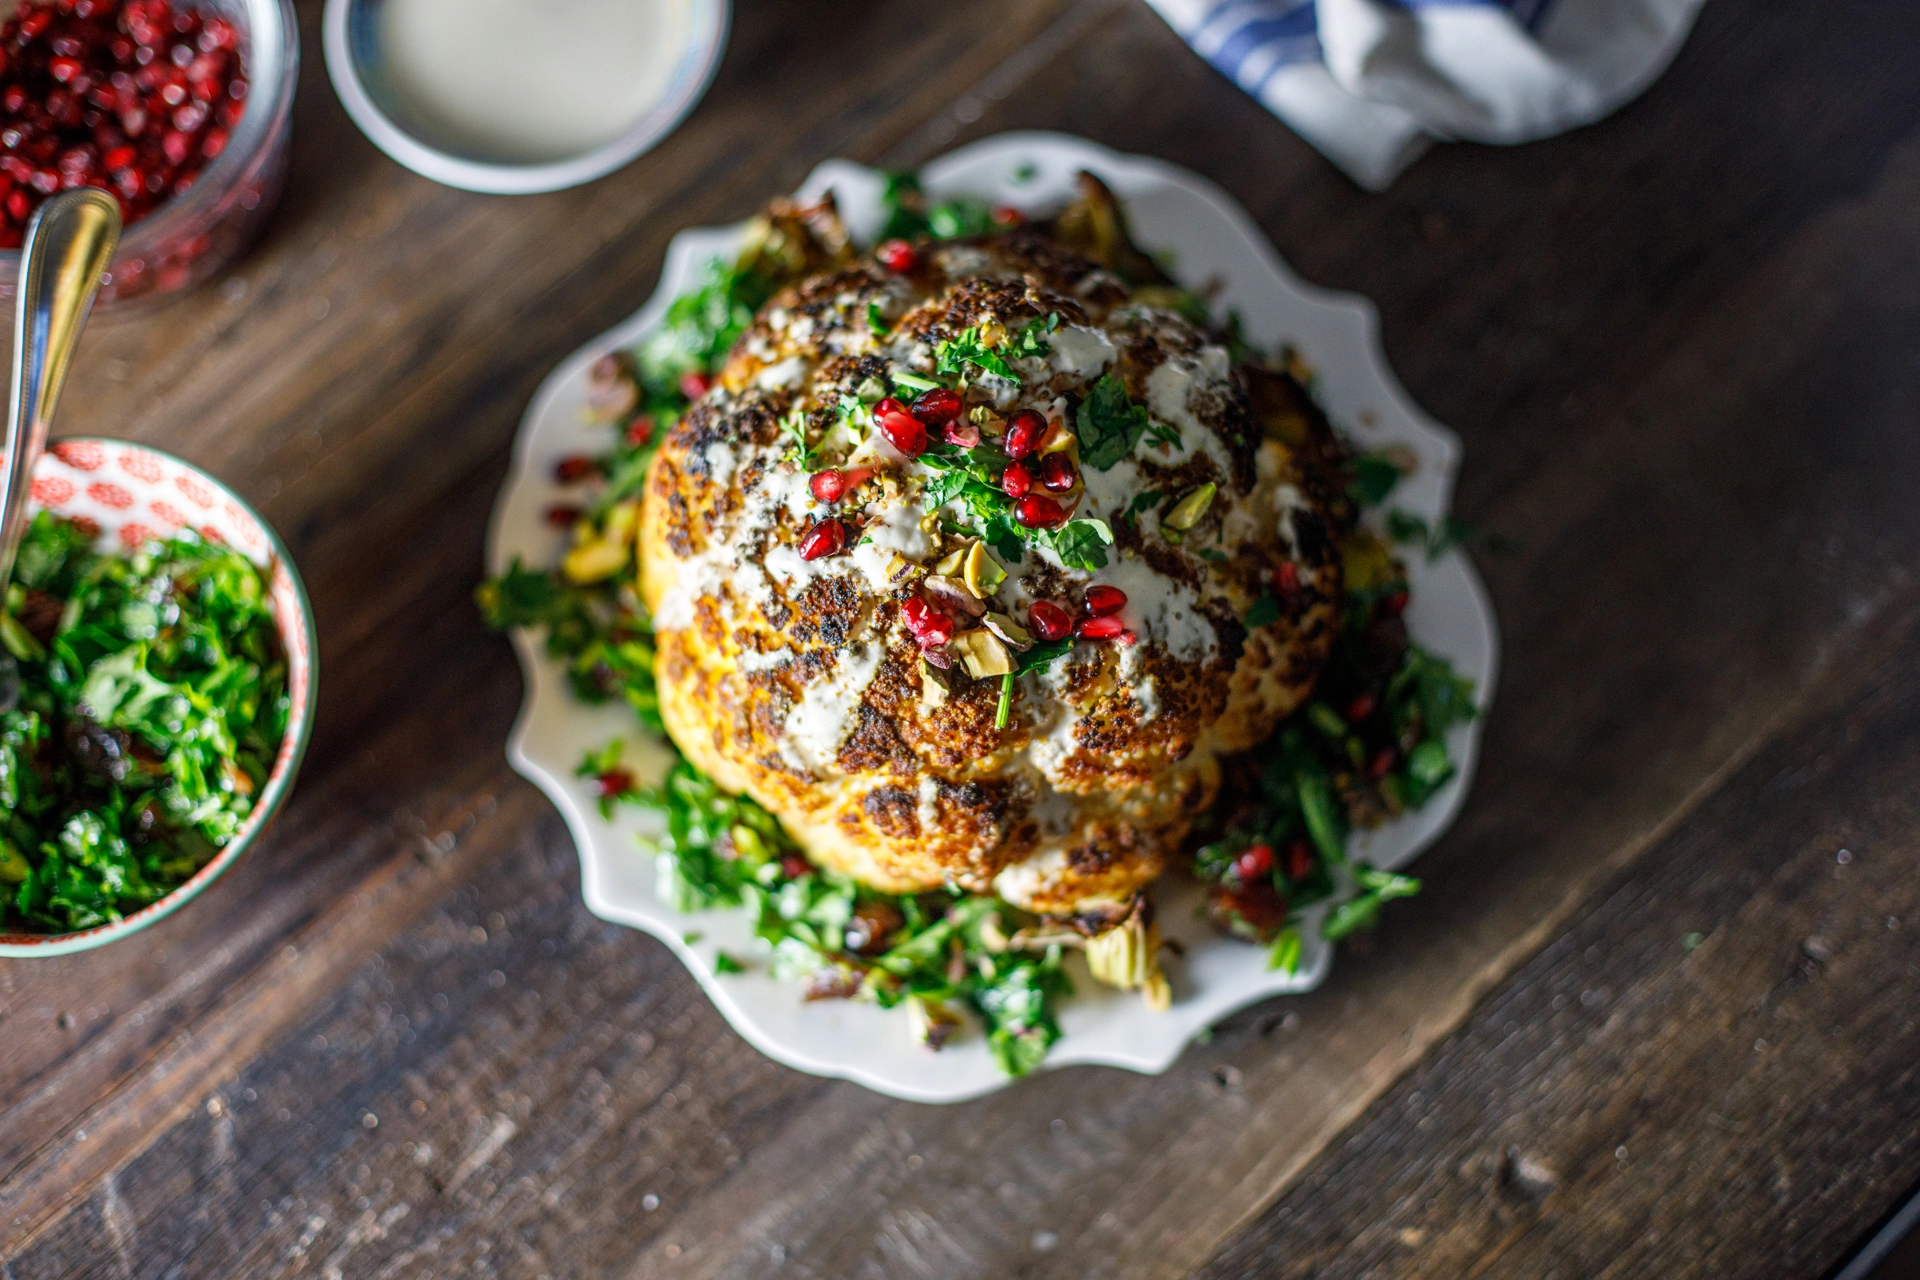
970,349
143,699
1109,424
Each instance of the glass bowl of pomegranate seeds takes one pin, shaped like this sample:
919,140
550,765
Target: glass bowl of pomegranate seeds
180,108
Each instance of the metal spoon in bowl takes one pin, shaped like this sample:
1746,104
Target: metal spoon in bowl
68,245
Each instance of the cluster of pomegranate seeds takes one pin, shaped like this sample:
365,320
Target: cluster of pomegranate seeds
903,431
897,256
827,538
132,96
1049,620
1102,606
929,626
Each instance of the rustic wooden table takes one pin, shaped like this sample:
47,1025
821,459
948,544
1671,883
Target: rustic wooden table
1658,1012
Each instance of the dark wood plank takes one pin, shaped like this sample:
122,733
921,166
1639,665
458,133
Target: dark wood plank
1686,394
1712,1073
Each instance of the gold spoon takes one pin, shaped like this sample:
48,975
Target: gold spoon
69,243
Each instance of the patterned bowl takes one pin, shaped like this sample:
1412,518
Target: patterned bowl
133,493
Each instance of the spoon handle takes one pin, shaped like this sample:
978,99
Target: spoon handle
68,245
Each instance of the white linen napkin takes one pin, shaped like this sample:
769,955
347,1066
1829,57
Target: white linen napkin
1372,83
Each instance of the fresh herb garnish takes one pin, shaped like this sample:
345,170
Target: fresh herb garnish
848,941
1109,424
1078,544
600,635
910,214
971,348
143,698
1374,477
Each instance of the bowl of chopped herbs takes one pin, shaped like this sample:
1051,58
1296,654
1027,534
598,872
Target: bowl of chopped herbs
156,694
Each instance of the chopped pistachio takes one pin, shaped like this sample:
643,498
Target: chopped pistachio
983,573
984,654
594,561
954,594
1186,513
899,569
1009,630
951,564
993,334
870,391
933,693
989,422
1058,438
1128,956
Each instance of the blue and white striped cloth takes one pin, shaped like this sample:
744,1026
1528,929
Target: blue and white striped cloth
1372,83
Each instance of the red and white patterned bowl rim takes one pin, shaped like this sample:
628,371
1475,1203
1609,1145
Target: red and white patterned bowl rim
130,494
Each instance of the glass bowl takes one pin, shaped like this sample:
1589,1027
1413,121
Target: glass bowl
133,493
193,235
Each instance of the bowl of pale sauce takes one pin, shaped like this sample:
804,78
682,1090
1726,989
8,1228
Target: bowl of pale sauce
510,98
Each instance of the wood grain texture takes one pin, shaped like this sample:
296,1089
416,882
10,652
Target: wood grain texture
1746,1090
1678,346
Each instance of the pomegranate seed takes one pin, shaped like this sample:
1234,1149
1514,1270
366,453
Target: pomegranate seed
216,143
1023,433
19,206
1382,764
1016,480
828,485
564,517
63,69
915,612
1036,511
856,476
937,633
1103,600
1286,581
118,158
1128,638
897,256
1107,628
614,782
1299,860
794,866
1360,708
937,406
639,431
574,468
902,430
1395,604
827,537
1255,862
1057,474
1050,621
1008,216
695,385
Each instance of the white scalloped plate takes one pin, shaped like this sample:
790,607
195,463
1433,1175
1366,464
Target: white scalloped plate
1211,240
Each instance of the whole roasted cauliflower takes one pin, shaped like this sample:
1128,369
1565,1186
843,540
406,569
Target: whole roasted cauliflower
978,555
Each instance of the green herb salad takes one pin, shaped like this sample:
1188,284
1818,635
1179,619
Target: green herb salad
1369,745
143,699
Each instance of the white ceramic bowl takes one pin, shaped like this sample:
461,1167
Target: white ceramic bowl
1210,239
355,63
